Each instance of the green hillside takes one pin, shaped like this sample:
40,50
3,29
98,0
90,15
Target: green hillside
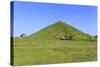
58,30
46,46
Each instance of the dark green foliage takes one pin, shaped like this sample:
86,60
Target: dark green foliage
71,37
67,37
93,38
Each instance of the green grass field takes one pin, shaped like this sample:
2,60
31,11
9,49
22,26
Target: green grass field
30,52
46,46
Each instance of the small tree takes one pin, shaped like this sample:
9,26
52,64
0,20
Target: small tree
67,37
91,38
95,37
71,37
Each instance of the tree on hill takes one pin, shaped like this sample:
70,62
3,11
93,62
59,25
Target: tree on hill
93,38
67,37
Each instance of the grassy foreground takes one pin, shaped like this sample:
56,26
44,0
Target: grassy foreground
30,52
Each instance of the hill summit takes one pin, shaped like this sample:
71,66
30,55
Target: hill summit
58,30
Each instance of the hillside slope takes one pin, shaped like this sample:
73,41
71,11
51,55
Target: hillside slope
58,30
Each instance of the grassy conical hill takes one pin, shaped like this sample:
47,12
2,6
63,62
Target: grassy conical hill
58,30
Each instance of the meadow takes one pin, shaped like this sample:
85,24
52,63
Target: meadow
35,51
48,33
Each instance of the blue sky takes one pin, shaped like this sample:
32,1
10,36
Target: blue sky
30,17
